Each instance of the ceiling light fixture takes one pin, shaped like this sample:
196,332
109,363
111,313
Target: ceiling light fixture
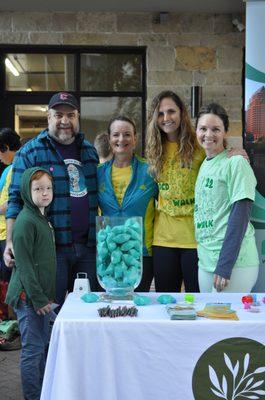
11,67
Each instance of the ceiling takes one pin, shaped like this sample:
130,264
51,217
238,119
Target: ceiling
181,6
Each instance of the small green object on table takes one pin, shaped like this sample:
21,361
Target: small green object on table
90,297
142,300
189,298
166,299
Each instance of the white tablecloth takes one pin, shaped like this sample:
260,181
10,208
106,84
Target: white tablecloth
145,358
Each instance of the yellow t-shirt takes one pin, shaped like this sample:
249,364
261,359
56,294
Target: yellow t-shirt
120,180
3,199
174,226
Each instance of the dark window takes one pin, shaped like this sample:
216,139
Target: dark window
107,81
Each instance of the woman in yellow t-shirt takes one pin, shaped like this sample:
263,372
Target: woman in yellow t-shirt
126,189
174,158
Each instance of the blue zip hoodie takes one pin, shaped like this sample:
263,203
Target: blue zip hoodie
138,200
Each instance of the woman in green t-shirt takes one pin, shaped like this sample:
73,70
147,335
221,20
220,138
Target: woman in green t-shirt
224,193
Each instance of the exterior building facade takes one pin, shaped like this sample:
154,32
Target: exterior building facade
183,51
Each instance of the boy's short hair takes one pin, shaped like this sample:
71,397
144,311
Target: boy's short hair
102,145
39,174
9,139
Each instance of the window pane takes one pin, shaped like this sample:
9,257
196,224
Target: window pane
30,119
39,72
96,113
111,72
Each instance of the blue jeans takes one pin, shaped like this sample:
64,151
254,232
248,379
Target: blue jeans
81,259
34,330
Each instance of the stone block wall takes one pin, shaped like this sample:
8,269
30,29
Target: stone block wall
199,49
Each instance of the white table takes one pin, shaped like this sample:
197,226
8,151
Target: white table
145,358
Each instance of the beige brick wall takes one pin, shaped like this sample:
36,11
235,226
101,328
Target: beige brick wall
204,49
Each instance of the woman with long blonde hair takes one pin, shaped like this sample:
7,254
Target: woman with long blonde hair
174,159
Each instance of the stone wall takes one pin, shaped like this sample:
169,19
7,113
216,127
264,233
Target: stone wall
200,49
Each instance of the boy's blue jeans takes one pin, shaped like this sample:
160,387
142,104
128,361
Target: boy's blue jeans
34,330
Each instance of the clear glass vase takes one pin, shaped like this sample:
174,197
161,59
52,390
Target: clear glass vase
119,255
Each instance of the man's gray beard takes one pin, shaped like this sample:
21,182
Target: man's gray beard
65,139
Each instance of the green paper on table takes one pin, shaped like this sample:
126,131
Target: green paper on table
90,297
181,312
166,299
141,300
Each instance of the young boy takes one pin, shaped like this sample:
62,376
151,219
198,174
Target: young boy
102,145
32,286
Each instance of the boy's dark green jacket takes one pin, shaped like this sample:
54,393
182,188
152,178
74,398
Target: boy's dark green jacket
34,251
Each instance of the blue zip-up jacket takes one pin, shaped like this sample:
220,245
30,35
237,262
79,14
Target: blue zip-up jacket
41,152
141,191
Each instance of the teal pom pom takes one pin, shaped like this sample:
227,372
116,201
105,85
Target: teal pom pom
166,299
141,300
90,297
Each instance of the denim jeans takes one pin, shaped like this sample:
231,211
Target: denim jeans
81,259
34,330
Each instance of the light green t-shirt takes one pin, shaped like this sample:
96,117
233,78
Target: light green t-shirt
221,182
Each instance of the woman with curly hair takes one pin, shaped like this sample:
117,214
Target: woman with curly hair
174,158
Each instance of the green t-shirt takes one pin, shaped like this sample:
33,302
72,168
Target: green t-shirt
221,182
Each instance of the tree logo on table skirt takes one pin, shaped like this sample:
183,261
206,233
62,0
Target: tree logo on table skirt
232,369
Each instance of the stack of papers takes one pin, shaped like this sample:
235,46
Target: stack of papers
218,311
181,312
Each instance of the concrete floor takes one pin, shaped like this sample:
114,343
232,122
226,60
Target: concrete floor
10,386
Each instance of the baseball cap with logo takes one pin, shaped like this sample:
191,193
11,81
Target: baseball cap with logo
63,98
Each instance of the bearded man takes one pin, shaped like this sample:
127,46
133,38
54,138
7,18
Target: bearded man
72,162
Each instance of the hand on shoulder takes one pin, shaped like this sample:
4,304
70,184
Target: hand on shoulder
232,151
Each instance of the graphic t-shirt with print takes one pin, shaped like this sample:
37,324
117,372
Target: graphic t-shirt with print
78,191
221,182
174,225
